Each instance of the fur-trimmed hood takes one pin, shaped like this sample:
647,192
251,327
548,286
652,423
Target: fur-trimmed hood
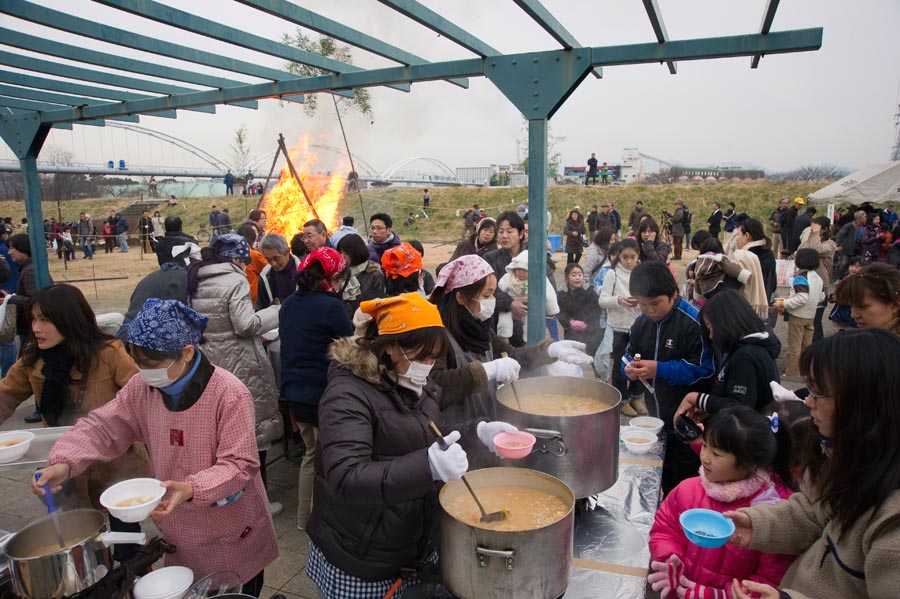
349,354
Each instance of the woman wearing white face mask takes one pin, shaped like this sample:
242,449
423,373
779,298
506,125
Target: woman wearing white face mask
375,494
310,319
464,295
197,422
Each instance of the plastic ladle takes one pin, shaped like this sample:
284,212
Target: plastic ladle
52,509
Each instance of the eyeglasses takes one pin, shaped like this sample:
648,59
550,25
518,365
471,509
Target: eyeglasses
815,396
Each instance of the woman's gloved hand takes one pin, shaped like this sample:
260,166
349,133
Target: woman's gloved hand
571,352
447,464
782,394
502,370
488,430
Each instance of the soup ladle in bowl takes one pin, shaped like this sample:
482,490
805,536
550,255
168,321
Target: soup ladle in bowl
485,517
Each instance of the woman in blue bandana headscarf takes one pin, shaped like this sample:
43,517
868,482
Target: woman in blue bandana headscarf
218,289
197,422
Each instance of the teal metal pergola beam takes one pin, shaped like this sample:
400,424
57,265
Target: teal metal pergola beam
102,59
430,19
68,87
768,18
120,37
659,28
180,19
742,45
47,67
39,107
316,22
42,96
543,17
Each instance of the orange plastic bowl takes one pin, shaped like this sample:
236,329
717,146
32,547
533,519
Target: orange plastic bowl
515,445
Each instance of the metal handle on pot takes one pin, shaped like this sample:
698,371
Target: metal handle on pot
120,538
483,554
545,441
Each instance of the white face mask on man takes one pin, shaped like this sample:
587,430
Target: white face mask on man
486,309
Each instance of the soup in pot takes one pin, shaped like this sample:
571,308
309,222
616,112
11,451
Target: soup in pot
550,404
528,508
12,443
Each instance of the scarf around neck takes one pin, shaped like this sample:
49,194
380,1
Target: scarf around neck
736,490
474,335
56,396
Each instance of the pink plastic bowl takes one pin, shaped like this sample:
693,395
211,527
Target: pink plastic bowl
515,445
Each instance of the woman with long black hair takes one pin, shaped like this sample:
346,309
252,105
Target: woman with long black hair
71,367
843,523
745,352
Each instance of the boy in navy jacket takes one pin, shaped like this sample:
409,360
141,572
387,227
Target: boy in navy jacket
674,358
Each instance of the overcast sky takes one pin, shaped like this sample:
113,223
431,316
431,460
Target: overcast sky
835,105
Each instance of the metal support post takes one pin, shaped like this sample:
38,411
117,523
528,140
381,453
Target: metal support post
537,230
35,220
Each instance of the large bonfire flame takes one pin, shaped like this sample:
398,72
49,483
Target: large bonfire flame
287,209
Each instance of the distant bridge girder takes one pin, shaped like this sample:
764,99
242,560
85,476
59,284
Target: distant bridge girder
200,153
392,170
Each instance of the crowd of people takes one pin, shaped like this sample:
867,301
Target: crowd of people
371,347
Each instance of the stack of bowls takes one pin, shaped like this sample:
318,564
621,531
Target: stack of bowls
166,583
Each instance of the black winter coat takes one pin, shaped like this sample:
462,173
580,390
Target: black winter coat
769,269
580,304
574,233
376,502
307,324
745,375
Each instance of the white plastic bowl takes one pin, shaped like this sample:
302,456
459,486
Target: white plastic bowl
649,441
135,487
647,424
166,583
14,452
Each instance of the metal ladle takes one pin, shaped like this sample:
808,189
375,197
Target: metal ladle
485,517
512,385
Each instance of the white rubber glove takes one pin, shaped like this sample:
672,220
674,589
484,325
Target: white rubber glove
488,430
782,394
502,370
447,464
570,351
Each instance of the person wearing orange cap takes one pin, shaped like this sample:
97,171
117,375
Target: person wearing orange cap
378,462
310,320
402,266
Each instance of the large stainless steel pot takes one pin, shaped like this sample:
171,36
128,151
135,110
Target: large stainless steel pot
486,564
86,558
581,451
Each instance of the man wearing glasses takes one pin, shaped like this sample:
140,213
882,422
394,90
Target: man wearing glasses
381,236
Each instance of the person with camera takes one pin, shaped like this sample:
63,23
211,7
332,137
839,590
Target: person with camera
676,221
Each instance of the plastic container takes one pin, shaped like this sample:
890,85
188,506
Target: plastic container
706,528
555,243
515,445
22,442
127,489
639,441
166,583
647,423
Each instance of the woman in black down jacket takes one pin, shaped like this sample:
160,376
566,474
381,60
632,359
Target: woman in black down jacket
377,463
745,350
574,233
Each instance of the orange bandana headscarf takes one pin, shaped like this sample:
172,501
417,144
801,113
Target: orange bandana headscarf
401,261
402,313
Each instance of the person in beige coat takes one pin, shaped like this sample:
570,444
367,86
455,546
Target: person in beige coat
845,521
71,368
218,289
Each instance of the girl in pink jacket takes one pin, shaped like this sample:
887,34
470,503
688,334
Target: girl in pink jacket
198,423
745,460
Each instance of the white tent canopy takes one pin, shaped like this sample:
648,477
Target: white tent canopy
876,184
